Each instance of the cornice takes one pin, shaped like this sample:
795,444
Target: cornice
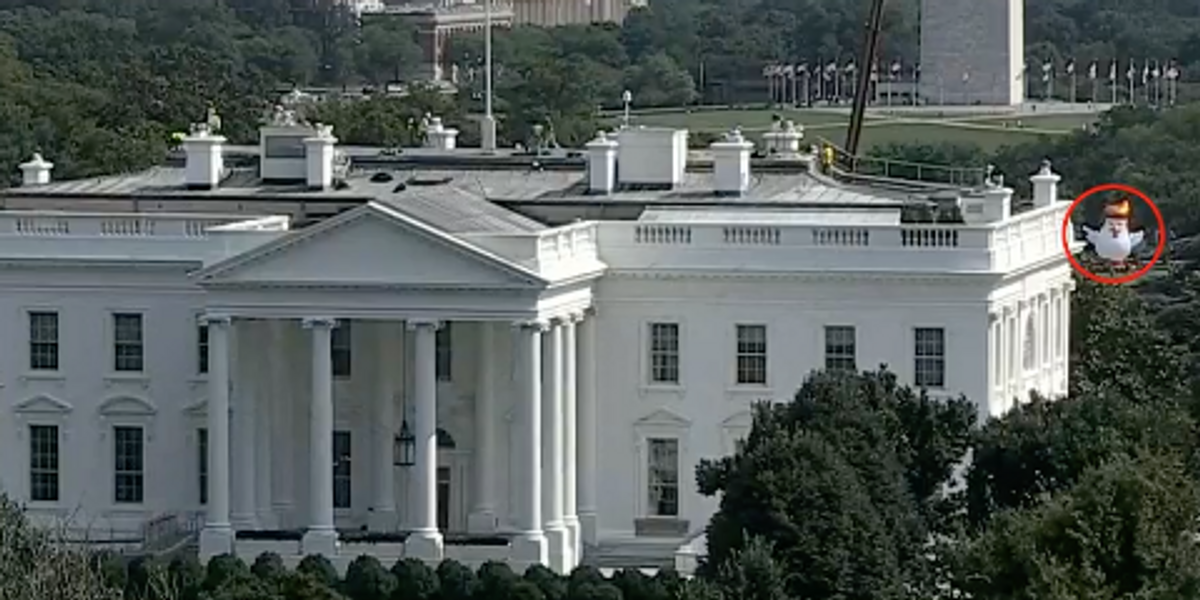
822,276
251,286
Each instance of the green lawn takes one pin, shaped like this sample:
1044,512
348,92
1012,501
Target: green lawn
724,120
988,131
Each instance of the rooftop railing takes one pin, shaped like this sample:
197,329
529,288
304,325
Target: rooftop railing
1019,240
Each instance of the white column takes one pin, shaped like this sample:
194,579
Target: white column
283,421
483,513
586,428
265,397
383,424
424,541
321,537
529,544
242,512
570,441
552,449
217,537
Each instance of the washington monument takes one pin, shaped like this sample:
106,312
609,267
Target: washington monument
973,52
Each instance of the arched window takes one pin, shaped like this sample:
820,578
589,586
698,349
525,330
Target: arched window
1030,358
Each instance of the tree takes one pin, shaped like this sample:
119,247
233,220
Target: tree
36,563
1125,530
846,479
752,573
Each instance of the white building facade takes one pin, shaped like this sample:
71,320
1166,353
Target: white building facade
497,388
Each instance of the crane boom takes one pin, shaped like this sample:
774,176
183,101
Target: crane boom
870,48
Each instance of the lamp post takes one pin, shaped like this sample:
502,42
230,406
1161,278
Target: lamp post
627,100
488,124
404,447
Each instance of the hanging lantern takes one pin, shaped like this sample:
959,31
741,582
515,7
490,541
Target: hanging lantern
404,447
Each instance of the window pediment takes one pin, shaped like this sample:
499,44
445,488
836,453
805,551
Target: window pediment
662,418
43,404
198,408
127,406
740,420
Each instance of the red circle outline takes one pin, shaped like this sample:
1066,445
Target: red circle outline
1158,252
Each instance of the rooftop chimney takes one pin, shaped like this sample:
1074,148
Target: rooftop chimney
991,205
731,164
36,171
652,156
1045,186
602,164
439,136
783,141
318,156
205,163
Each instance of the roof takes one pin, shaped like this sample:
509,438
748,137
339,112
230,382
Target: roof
475,198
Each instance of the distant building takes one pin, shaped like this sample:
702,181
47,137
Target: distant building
478,356
437,22
973,52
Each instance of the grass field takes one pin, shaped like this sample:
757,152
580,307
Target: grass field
988,131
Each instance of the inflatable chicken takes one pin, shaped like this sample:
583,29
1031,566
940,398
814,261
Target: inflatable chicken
1114,241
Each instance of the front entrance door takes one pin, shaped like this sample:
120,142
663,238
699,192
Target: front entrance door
443,496
452,479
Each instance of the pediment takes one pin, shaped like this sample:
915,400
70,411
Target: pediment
198,408
43,404
663,418
367,247
739,420
127,406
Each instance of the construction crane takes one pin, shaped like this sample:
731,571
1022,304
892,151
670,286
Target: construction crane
869,51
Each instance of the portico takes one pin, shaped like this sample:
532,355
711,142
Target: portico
348,339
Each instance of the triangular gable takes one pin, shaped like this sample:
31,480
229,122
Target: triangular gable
372,245
662,418
126,406
43,404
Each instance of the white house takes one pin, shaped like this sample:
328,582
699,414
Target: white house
499,356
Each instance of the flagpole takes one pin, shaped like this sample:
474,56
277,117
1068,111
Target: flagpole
488,123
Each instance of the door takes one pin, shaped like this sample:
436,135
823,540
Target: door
444,497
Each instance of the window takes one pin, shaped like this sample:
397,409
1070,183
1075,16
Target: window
752,354
930,367
1046,352
43,463
341,348
202,349
43,341
130,465
128,347
840,348
1059,327
1029,350
341,469
445,356
664,353
202,457
664,477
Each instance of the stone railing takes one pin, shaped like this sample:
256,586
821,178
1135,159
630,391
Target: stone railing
1019,240
567,246
124,236
144,225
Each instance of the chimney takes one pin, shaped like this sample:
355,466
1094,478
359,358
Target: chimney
205,164
783,141
439,136
1045,186
991,205
731,164
36,171
602,164
318,157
